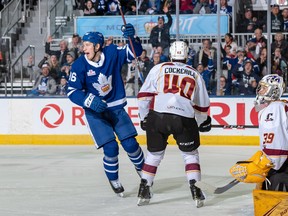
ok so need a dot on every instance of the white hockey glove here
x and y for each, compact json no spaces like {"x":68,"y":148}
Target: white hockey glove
{"x":206,"y":125}
{"x":95,"y":103}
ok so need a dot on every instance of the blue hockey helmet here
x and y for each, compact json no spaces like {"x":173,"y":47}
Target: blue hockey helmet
{"x":94,"y":37}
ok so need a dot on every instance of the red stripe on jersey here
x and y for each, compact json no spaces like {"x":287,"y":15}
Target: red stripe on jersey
{"x":286,"y":108}
{"x":192,"y":167}
{"x":275,"y":151}
{"x":149,"y":169}
{"x":145,"y":94}
{"x":201,"y":109}
{"x":167,"y":64}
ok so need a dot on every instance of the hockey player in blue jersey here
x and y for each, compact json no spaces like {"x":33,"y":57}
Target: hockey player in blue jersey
{"x":95,"y":83}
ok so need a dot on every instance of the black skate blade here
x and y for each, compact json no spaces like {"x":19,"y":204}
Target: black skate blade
{"x":143,"y":201}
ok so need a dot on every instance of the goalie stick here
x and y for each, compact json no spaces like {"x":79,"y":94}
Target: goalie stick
{"x":216,"y":190}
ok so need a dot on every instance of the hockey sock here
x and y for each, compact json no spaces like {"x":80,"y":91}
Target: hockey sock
{"x":137,"y":158}
{"x":192,"y":166}
{"x":111,"y":166}
{"x":150,"y":166}
{"x":134,"y":152}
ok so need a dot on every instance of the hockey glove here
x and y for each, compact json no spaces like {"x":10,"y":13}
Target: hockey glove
{"x":254,"y":170}
{"x":143,"y":124}
{"x":95,"y":103}
{"x":128,"y":30}
{"x":206,"y":125}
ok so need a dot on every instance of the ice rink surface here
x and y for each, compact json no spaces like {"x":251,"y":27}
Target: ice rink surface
{"x":70,"y":181}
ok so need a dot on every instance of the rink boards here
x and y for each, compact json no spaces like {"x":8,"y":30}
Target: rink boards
{"x":57,"y":121}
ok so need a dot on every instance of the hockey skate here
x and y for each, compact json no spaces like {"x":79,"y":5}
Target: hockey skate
{"x":117,"y":188}
{"x":197,"y":194}
{"x":144,"y":193}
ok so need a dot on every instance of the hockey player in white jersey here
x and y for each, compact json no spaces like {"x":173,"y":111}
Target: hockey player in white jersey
{"x":270,"y":164}
{"x":95,"y":83}
{"x":173,"y":100}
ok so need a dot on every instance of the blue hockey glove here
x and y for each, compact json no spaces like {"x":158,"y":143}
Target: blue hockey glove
{"x":206,"y":125}
{"x":95,"y":103}
{"x":128,"y":30}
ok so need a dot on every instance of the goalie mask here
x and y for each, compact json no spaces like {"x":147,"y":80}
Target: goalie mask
{"x":178,"y":51}
{"x":270,"y":88}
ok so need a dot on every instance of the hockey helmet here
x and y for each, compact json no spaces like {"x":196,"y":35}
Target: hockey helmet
{"x":179,"y":50}
{"x":94,"y":37}
{"x":270,"y":88}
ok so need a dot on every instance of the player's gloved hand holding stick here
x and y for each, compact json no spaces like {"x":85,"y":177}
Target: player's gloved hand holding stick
{"x":206,"y":125}
{"x":128,"y":31}
{"x":95,"y":103}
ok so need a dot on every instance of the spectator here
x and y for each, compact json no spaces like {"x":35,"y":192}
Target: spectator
{"x":285,"y":19}
{"x":130,"y":79}
{"x":203,"y":7}
{"x":224,"y":8}
{"x":143,"y":60}
{"x":112,"y":7}
{"x":262,"y":62}
{"x":280,"y":42}
{"x":151,"y":64}
{"x":54,"y":66}
{"x":229,"y":41}
{"x":44,"y":84}
{"x":206,"y":73}
{"x":279,"y":64}
{"x":160,"y":34}
{"x":186,"y":7}
{"x":246,"y":80}
{"x":109,"y":41}
{"x":76,"y":45}
{"x":163,"y":58}
{"x":222,"y":87}
{"x":65,"y":70}
{"x":132,"y":9}
{"x":30,"y":70}
{"x":89,"y":9}
{"x":62,"y":88}
{"x":100,"y":7}
{"x":61,"y":53}
{"x":202,"y":56}
{"x":277,"y":22}
{"x":249,"y":23}
{"x":257,"y":42}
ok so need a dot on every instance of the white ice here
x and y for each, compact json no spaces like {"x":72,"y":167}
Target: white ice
{"x":70,"y":181}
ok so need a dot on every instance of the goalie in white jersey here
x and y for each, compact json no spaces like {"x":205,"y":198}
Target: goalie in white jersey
{"x":270,"y":165}
{"x":173,"y":100}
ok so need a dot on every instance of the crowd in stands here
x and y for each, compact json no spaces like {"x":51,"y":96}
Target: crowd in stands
{"x":242,"y":67}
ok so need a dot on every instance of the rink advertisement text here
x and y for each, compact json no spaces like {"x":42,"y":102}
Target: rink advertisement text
{"x":60,"y":117}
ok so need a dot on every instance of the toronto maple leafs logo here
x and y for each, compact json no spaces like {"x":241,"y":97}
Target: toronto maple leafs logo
{"x":104,"y":85}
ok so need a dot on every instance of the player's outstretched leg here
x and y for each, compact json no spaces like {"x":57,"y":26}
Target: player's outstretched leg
{"x":144,"y":193}
{"x":117,"y":187}
{"x":134,"y":153}
{"x":197,"y":194}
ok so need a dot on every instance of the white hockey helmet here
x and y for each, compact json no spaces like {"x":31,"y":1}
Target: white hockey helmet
{"x":270,"y":88}
{"x":179,"y":50}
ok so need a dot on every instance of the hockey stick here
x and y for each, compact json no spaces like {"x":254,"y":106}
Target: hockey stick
{"x":234,"y":126}
{"x":131,"y":44}
{"x":216,"y":190}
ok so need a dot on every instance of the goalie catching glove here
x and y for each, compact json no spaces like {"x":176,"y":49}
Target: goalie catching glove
{"x":253,"y":170}
{"x":95,"y":103}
